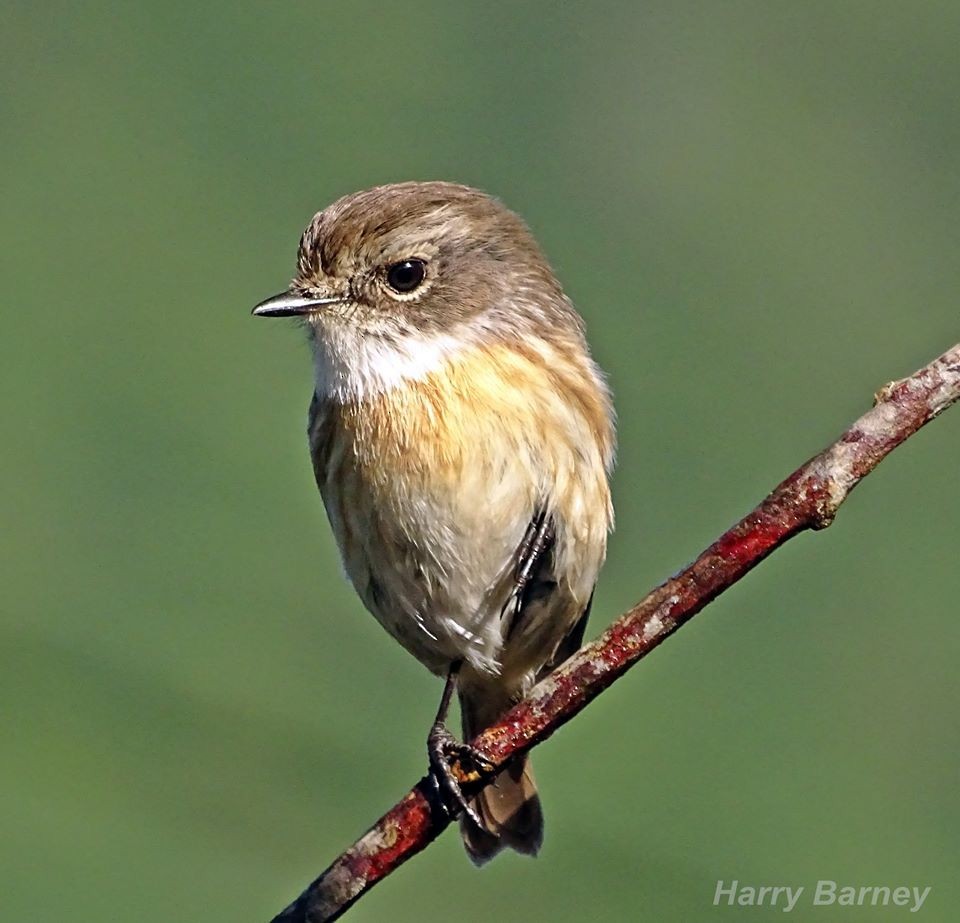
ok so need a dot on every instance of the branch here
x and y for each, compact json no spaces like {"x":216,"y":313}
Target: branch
{"x":808,"y":499}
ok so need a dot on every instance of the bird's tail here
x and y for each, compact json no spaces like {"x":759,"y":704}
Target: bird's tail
{"x":509,"y":808}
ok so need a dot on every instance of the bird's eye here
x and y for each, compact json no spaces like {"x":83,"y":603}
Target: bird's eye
{"x":405,"y":276}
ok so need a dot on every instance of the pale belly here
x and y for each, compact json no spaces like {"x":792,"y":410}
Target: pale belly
{"x":434,"y":561}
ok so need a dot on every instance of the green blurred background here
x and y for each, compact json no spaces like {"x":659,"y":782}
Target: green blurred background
{"x":755,"y":206}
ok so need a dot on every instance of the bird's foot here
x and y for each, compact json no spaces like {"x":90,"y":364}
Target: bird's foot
{"x":452,"y":765}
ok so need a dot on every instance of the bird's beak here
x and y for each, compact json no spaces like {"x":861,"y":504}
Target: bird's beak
{"x":287,"y":304}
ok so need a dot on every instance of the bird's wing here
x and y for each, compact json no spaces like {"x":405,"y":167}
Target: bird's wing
{"x":570,"y":644}
{"x":533,"y":578}
{"x":537,"y":612}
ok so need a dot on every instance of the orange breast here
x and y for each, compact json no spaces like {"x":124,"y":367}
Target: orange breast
{"x":445,"y":419}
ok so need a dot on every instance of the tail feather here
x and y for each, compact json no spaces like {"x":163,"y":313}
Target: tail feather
{"x":509,"y":807}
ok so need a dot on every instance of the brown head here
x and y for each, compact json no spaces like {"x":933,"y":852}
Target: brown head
{"x":423,"y":258}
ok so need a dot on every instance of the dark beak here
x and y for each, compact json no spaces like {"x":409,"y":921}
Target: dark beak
{"x":287,"y":304}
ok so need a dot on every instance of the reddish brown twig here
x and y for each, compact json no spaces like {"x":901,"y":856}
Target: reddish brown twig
{"x":808,"y":499}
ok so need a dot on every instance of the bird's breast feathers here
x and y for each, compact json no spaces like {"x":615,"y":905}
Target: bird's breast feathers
{"x":432,"y":458}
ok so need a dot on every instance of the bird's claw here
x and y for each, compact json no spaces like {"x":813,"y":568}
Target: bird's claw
{"x":452,"y":764}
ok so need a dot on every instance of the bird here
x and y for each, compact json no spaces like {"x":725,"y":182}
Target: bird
{"x":462,"y":439}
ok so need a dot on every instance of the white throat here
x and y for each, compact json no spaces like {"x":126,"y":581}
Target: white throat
{"x":351,"y":365}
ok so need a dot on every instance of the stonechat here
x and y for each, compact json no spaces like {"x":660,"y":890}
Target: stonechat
{"x":462,"y":439}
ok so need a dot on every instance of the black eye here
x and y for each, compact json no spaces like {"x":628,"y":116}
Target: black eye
{"x":406,"y":275}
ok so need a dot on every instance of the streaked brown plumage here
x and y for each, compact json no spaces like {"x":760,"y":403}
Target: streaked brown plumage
{"x":451,"y":423}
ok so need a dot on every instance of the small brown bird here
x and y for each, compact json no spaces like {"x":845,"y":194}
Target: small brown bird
{"x":462,"y":439}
